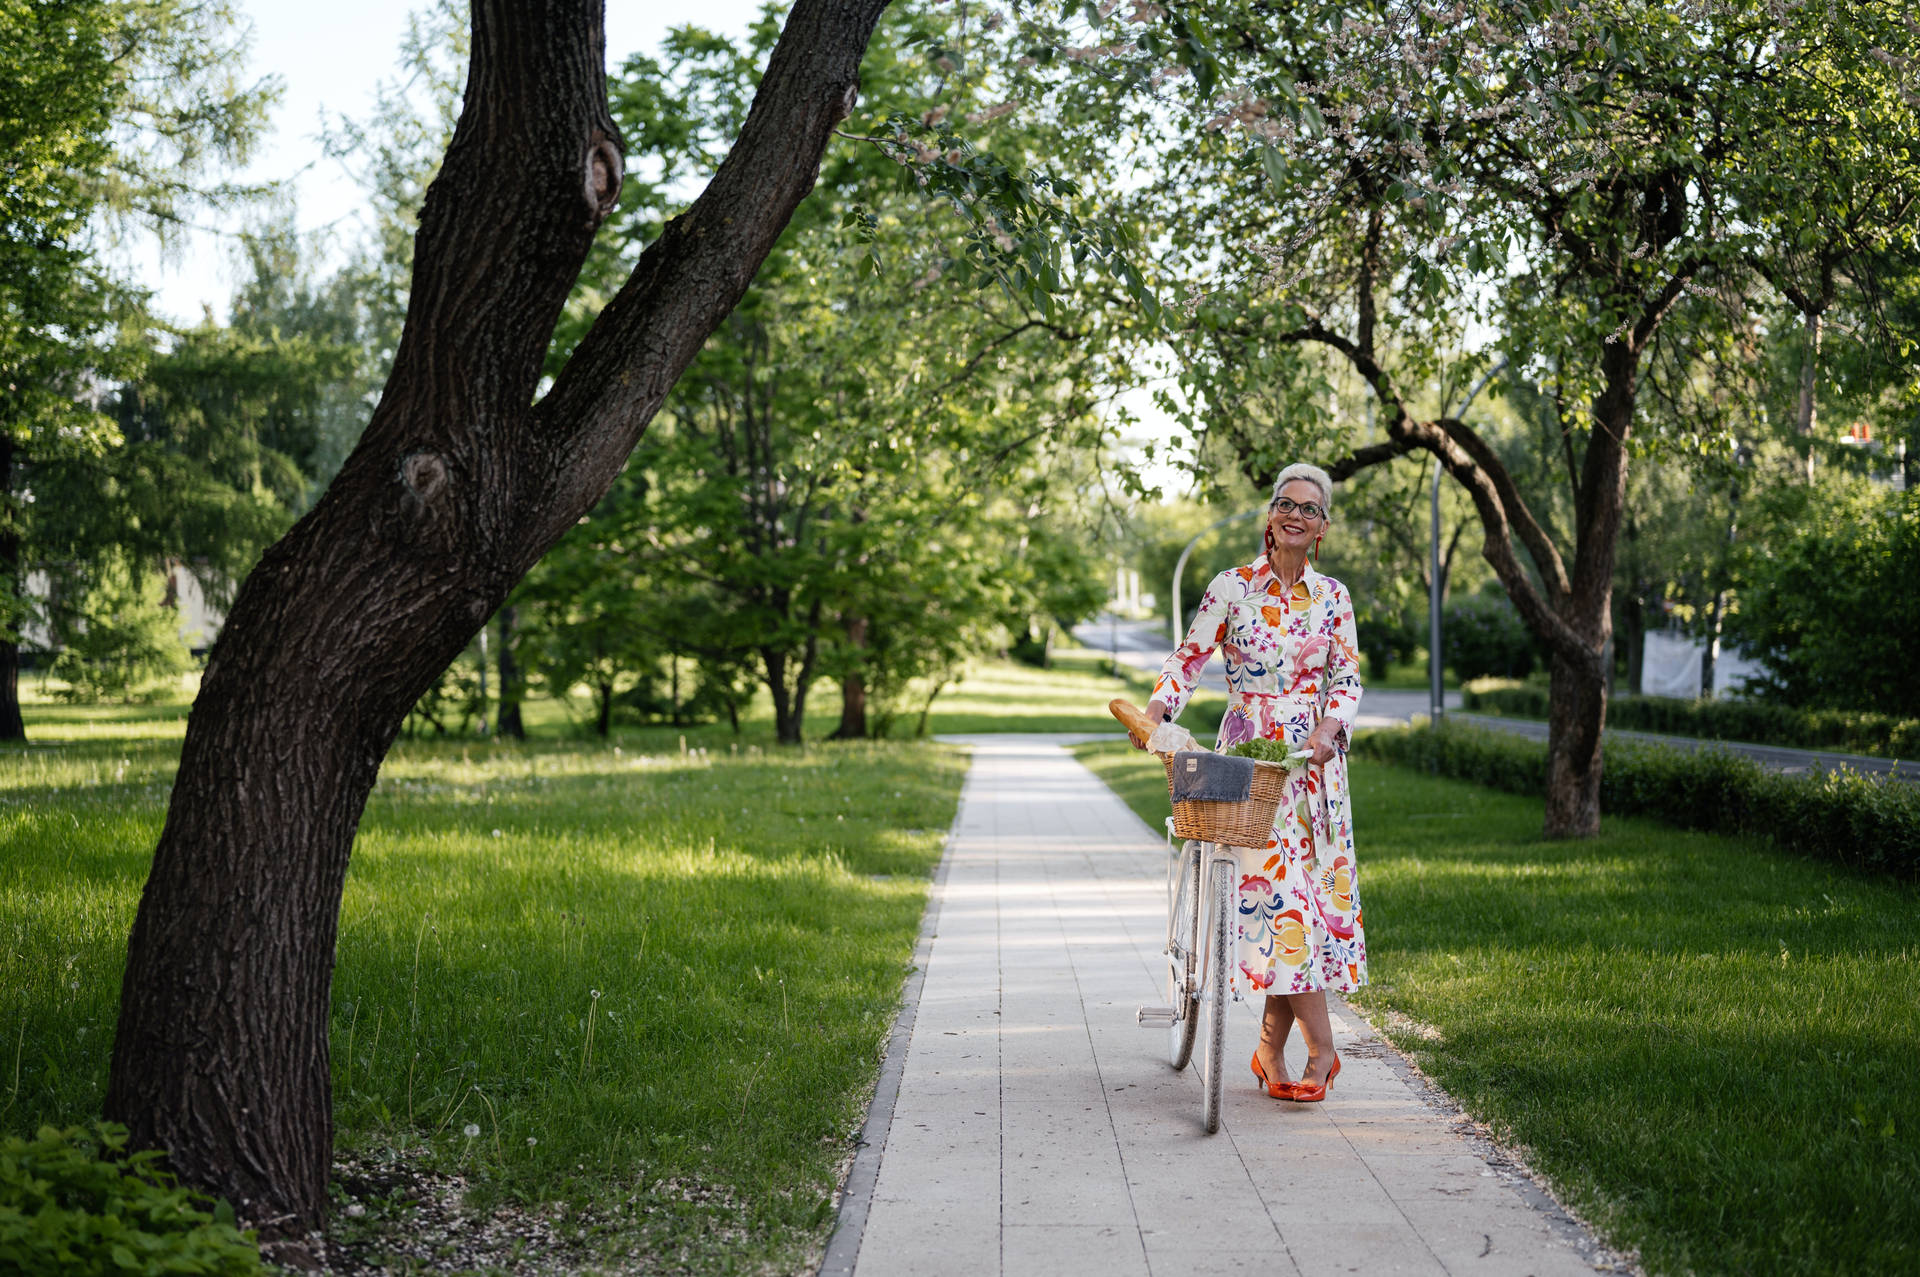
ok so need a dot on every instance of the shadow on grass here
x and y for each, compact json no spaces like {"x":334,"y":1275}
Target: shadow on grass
{"x":613,"y":968}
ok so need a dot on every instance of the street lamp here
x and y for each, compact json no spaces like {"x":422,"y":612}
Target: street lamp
{"x":1173,"y":607}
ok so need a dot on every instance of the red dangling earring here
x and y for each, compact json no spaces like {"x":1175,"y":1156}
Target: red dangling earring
{"x":1316,"y":550}
{"x":1270,"y":547}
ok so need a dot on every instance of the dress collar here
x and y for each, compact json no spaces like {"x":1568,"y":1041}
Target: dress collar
{"x":1309,"y":576}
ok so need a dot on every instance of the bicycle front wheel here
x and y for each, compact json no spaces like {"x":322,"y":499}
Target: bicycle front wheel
{"x":1220,"y":925}
{"x":1183,"y":899}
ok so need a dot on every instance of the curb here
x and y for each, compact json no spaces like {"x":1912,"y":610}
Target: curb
{"x":856,"y":1195}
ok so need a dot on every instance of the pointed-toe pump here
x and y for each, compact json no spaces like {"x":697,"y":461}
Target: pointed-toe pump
{"x":1308,"y":1093}
{"x":1276,"y":1090}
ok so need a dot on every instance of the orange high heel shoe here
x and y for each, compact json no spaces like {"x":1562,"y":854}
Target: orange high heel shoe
{"x":1275,"y":1090}
{"x":1308,"y":1093}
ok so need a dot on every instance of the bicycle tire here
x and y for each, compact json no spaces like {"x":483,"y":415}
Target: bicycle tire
{"x":1181,"y":903}
{"x":1219,"y":996}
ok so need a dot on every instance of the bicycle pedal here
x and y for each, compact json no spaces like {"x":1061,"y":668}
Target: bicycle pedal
{"x":1154,"y":1017}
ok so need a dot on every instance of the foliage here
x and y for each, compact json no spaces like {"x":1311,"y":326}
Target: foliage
{"x":868,"y":473}
{"x":1484,"y":637}
{"x":1839,"y":815}
{"x":1751,"y":721}
{"x":1828,"y":602}
{"x":77,"y":1202}
{"x":122,"y":641}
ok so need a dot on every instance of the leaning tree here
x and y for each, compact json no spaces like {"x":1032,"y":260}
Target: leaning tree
{"x":465,"y":475}
{"x":1580,"y":177}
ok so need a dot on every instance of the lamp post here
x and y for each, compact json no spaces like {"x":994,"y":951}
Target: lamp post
{"x":1173,"y":607}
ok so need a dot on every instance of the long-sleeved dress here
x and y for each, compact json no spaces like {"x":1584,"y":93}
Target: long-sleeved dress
{"x":1291,"y":659}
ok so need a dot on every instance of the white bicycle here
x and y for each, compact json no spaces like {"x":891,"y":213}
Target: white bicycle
{"x":1201,"y":902}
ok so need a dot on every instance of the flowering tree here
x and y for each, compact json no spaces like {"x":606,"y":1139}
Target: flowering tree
{"x":1366,"y":181}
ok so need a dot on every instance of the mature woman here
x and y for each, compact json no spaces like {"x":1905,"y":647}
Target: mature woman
{"x":1293,"y":674}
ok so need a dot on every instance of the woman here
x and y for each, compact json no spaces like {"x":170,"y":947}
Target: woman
{"x":1293,"y":674}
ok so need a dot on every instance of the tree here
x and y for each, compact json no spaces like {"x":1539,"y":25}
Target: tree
{"x":1827,"y":601}
{"x":1595,"y":167}
{"x":110,"y":114}
{"x":464,"y":477}
{"x":835,"y":468}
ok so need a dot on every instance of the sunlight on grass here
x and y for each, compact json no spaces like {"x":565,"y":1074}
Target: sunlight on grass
{"x":1705,"y":1043}
{"x":631,"y":968}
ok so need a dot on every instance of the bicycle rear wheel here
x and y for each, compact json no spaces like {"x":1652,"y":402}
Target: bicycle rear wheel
{"x":1183,"y":895}
{"x":1220,"y":925}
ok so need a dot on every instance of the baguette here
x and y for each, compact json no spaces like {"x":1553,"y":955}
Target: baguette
{"x":1135,"y":720}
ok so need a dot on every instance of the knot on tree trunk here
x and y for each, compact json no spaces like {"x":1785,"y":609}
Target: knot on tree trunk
{"x":425,"y":476}
{"x":604,"y":171}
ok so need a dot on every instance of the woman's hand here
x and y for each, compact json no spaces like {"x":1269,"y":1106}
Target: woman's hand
{"x":1156,"y":715}
{"x":1323,"y":741}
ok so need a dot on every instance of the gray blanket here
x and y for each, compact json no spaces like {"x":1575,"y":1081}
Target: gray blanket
{"x":1199,"y":776}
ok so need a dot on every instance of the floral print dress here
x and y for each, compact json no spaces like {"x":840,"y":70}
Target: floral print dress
{"x":1291,"y":658}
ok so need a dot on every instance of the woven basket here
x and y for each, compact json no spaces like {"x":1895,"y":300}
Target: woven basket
{"x":1248,"y":823}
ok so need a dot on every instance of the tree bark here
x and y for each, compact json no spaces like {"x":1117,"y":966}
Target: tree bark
{"x":13,"y":725}
{"x":1809,"y":379}
{"x":1576,"y":713}
{"x":853,"y":688}
{"x":456,"y":488}
{"x":509,"y":722}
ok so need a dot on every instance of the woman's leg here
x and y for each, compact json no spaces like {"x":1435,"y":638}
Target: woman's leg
{"x":1310,"y":1010}
{"x":1275,"y":1025}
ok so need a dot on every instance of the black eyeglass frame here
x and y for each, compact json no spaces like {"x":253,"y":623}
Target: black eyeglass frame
{"x":1287,"y":505}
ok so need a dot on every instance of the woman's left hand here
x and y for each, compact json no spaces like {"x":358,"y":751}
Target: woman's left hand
{"x":1321,"y":742}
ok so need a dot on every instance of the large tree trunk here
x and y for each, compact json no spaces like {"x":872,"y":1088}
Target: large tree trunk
{"x":509,"y":723}
{"x":455,"y":490}
{"x":853,"y":688}
{"x":1576,"y":712}
{"x":12,"y":725}
{"x":1583,"y":658}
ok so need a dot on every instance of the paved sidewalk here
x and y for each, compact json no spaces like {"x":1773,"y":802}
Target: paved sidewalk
{"x":1034,"y":1129}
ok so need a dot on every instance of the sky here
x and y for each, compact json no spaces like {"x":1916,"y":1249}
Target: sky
{"x":329,"y":58}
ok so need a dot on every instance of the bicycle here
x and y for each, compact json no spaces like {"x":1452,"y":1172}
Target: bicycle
{"x":1201,"y":907}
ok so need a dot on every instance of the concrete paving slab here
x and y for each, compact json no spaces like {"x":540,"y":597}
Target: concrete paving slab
{"x":1033,"y":1128}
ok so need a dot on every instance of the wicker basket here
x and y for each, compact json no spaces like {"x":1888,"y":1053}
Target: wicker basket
{"x":1248,"y":823}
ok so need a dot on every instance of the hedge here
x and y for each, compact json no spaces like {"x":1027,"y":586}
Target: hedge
{"x":1838,"y":815}
{"x":1754,"y":722}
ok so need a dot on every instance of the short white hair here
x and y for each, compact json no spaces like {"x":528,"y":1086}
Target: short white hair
{"x":1307,"y":473}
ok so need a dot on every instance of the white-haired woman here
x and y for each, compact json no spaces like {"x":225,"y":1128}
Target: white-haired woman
{"x":1293,"y":674}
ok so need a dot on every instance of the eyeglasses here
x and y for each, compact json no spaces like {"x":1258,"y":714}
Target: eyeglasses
{"x":1308,"y":508}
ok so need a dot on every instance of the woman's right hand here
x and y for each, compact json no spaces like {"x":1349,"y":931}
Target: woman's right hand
{"x":1156,"y":715}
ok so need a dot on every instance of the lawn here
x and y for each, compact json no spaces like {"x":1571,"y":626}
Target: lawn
{"x":1707,"y":1045}
{"x":1071,"y":696}
{"x":640,"y":991}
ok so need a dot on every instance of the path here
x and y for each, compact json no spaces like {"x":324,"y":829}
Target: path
{"x":1025,"y":1125}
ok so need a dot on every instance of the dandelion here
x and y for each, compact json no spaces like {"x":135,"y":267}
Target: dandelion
{"x":471,"y":1130}
{"x":531,"y":1141}
{"x":498,"y":834}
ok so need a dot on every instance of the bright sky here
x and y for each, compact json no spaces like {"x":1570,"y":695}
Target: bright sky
{"x":329,"y":58}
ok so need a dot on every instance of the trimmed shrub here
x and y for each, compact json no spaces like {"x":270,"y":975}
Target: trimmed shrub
{"x":1838,"y":815}
{"x":76,"y":1202}
{"x":1485,"y":637}
{"x":1754,"y":722}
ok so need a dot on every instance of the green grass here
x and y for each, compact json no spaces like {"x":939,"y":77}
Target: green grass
{"x":1071,"y":696}
{"x":1706,"y":1044}
{"x":656,"y":983}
